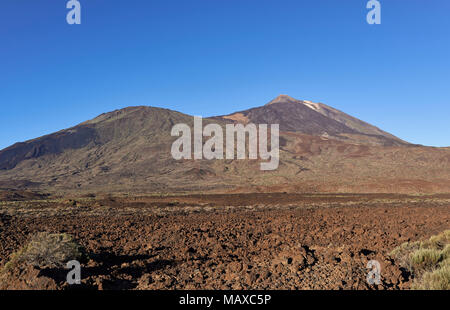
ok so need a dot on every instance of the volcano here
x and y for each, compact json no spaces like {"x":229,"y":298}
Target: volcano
{"x":321,"y":150}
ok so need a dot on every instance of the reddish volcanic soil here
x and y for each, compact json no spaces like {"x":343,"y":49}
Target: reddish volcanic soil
{"x":242,"y":241}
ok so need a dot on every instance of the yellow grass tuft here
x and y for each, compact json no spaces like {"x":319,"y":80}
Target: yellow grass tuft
{"x":428,"y":261}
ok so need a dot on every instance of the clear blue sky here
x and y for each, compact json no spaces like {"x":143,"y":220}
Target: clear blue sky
{"x":209,"y":57}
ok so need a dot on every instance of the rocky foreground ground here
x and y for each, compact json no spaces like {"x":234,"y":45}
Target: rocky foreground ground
{"x":241,"y":241}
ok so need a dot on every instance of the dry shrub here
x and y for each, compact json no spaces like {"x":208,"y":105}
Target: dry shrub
{"x":438,"y":279}
{"x":47,"y":250}
{"x":428,"y":261}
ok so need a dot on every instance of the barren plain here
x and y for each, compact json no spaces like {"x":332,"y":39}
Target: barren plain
{"x":228,"y":241}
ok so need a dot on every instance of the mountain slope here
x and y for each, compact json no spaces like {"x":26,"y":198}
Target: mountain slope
{"x":128,"y":150}
{"x":315,"y":119}
{"x":120,"y":126}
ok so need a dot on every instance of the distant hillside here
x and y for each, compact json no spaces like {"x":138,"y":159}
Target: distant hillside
{"x":321,"y":150}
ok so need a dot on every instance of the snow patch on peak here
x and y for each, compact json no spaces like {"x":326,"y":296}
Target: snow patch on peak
{"x":311,"y":105}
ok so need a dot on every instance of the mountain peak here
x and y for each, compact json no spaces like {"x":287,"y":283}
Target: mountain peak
{"x":314,"y":118}
{"x":283,"y":99}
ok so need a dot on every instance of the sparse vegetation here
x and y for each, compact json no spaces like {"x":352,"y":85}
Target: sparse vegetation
{"x":46,"y":250}
{"x":273,"y":240}
{"x":438,"y":279}
{"x":428,"y":261}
